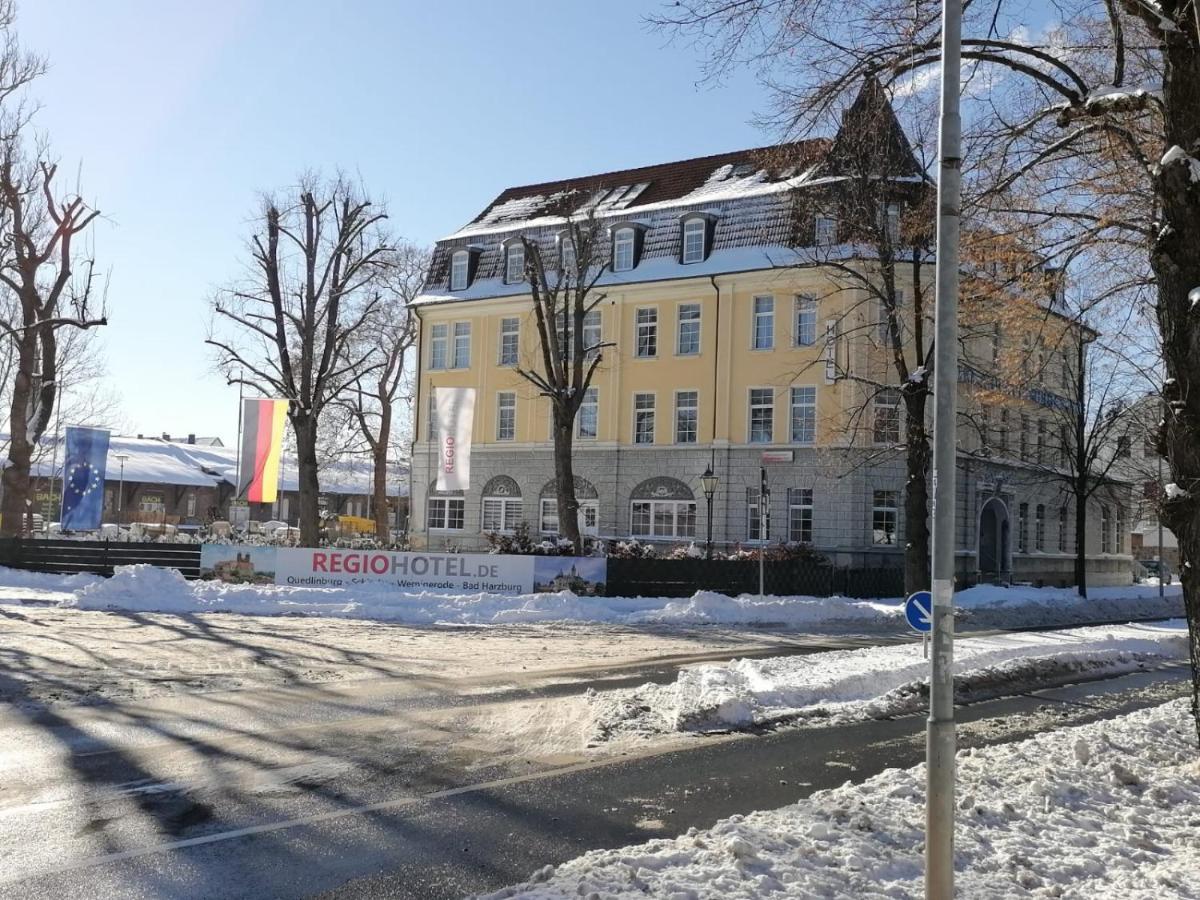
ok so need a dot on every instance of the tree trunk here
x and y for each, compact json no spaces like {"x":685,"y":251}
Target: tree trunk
{"x":564,"y":479}
{"x":1175,"y":259}
{"x":20,"y":449}
{"x":379,"y":453}
{"x":1081,"y":540}
{"x":306,"y":460}
{"x":916,"y":499}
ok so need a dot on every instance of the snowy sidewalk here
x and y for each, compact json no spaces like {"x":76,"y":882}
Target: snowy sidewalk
{"x":1103,"y":810}
{"x":147,"y":589}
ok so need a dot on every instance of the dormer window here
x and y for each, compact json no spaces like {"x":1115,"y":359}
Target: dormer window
{"x":825,"y":231}
{"x":514,"y":263}
{"x":460,"y":266}
{"x":695,"y":240}
{"x":624,"y":247}
{"x":566,"y":253}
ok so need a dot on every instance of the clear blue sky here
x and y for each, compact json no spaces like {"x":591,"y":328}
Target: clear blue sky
{"x":179,"y":113}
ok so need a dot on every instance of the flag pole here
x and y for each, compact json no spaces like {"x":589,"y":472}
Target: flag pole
{"x":237,"y":485}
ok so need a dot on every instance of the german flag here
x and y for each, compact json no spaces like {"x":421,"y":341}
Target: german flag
{"x":262,"y":443}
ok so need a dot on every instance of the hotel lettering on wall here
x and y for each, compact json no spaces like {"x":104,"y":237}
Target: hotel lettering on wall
{"x":456,"y":418}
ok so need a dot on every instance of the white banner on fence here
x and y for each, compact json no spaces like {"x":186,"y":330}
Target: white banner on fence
{"x":456,"y":418}
{"x":447,"y":573}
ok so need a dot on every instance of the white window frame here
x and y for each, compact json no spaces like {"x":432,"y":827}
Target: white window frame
{"x":546,"y":504}
{"x":692,"y":320}
{"x":796,"y":404}
{"x":651,"y":409}
{"x":446,"y":503}
{"x":880,"y":509}
{"x":889,"y":221}
{"x":1106,"y":529}
{"x":460,"y":268}
{"x":800,"y":500}
{"x":593,"y":333}
{"x":754,"y":520}
{"x":1039,"y":528}
{"x":694,"y":408}
{"x":510,"y":330}
{"x":591,"y":400}
{"x":439,"y":345}
{"x":462,"y":342}
{"x":648,"y":328}
{"x":752,"y":406}
{"x":514,"y":263}
{"x":763,"y":309}
{"x":656,"y":507}
{"x":804,"y":321}
{"x":509,"y":513}
{"x":693,"y":249}
{"x":831,"y":347}
{"x":506,"y":402}
{"x":566,"y":254}
{"x":624,"y":242}
{"x":825,"y":231}
{"x":886,"y":403}
{"x":1023,"y":527}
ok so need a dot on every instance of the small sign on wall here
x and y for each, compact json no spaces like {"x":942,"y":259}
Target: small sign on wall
{"x":778,"y":456}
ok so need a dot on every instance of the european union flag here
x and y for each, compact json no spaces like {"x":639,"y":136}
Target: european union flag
{"x":83,"y":479}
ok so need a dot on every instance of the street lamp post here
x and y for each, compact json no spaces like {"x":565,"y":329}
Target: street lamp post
{"x":121,"y":490}
{"x":708,"y":482}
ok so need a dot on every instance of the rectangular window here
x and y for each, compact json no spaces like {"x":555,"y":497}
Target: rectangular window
{"x":506,"y":416}
{"x":462,"y":345}
{"x":762,"y":415}
{"x":548,"y":516}
{"x":1043,"y":429}
{"x":643,"y":418}
{"x":1062,"y":529}
{"x":887,"y":417}
{"x":884,"y":514}
{"x":591,"y":333}
{"x":447,"y":513}
{"x":1119,"y":543}
{"x":693,"y":240}
{"x":432,"y":428}
{"x":510,"y":341}
{"x":764,"y":323}
{"x":647,"y":332}
{"x":800,"y":515}
{"x":1024,"y":438}
{"x":688,"y":343}
{"x":754,"y":522}
{"x":588,"y":420}
{"x":804,"y":415}
{"x":662,"y":518}
{"x":623,"y":250}
{"x":566,"y":256}
{"x":1105,"y":530}
{"x":889,"y":221}
{"x":825,"y":231}
{"x":806,"y":321}
{"x":514,"y":263}
{"x":1002,"y":432}
{"x":438,"y":336}
{"x":500,"y":514}
{"x":687,"y":414}
{"x":1023,"y":528}
{"x":191,"y":505}
{"x":458,"y":271}
{"x":1039,"y":528}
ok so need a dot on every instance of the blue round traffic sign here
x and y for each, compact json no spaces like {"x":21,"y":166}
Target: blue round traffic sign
{"x":918,"y":610}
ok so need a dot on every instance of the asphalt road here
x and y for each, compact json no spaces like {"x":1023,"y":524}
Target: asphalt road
{"x":374,"y":794}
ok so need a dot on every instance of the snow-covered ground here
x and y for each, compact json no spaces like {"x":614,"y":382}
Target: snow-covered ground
{"x":846,"y":685}
{"x":1102,"y":810}
{"x":147,"y":589}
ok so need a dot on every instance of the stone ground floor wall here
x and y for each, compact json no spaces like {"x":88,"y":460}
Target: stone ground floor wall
{"x":843,"y":485}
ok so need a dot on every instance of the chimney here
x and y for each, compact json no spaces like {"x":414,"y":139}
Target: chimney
{"x":191,"y":439}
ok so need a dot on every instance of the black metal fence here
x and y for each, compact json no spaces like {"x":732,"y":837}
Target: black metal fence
{"x":97,"y":557}
{"x":626,"y":577}
{"x":683,"y":577}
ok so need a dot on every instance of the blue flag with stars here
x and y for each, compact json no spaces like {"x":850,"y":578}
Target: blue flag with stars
{"x":83,"y":479}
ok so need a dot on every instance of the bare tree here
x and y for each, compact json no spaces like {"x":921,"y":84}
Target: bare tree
{"x":386,"y":338}
{"x":562,"y":290}
{"x":1097,"y":118}
{"x":317,"y":260}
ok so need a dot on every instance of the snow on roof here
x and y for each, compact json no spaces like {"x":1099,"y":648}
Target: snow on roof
{"x":154,"y":461}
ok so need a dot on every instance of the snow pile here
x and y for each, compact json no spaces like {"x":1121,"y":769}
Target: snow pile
{"x":1103,"y":810}
{"x":141,"y":588}
{"x":873,"y":682}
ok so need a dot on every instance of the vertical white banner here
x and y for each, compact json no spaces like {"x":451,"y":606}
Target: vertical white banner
{"x":456,"y":418}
